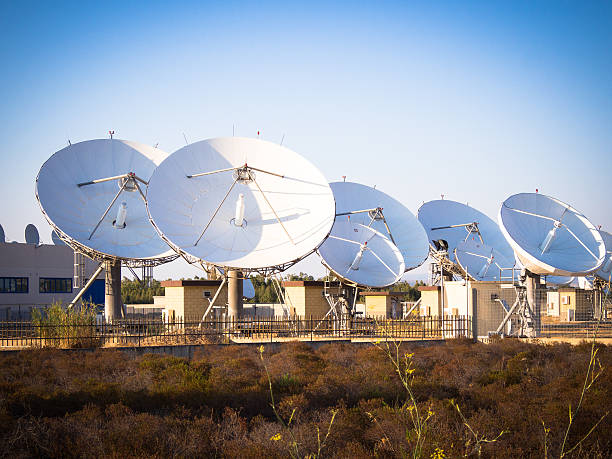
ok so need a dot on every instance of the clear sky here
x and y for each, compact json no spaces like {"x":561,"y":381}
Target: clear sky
{"x":473,"y":100}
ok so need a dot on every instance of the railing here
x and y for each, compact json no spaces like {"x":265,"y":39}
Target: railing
{"x":148,"y":332}
{"x":583,"y":329}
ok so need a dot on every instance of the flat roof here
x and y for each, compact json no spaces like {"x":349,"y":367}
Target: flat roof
{"x":303,"y":283}
{"x":384,"y":293}
{"x":428,"y":288}
{"x":191,"y":283}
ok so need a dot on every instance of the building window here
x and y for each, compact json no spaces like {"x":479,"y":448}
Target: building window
{"x":53,"y":285}
{"x":13,"y":285}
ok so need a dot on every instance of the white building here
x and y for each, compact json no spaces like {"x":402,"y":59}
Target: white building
{"x":36,"y":276}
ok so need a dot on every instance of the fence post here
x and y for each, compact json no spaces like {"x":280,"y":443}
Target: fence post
{"x":423,"y":325}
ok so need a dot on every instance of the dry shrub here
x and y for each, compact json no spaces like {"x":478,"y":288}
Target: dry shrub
{"x":107,"y":404}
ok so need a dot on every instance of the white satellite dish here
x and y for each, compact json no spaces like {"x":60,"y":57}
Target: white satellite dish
{"x":92,"y":194}
{"x":361,"y":255}
{"x":457,"y":223}
{"x":2,"y":235}
{"x":248,"y":289}
{"x":373,"y":208}
{"x":605,"y":272}
{"x":56,"y":239}
{"x":31,"y":234}
{"x":483,"y":262}
{"x":549,"y":236}
{"x":240,"y":203}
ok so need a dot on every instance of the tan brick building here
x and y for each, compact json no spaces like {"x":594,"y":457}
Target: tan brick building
{"x":189,"y":299}
{"x":384,"y":304}
{"x":305,"y":298}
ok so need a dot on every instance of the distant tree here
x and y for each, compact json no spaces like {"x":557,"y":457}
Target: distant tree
{"x":133,"y":292}
{"x":264,"y":290}
{"x":301,"y":277}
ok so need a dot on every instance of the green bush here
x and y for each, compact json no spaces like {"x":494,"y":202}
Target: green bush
{"x":57,"y":326}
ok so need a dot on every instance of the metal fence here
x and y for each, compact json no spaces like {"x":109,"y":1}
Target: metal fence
{"x":584,"y":329}
{"x":151,"y":332}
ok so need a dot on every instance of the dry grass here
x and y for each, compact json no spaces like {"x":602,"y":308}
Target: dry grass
{"x":105,"y":403}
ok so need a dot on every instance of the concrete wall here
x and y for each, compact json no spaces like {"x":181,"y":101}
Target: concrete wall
{"x":457,"y":298}
{"x":385,"y":304}
{"x":431,"y":301}
{"x":552,"y":304}
{"x":579,"y":302}
{"x":264,"y":310}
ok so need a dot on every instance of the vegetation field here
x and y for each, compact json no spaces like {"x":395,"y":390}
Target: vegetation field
{"x":504,"y":399}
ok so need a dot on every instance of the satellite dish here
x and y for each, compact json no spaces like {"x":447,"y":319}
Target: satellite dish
{"x":56,"y":239}
{"x":2,"y":235}
{"x":374,"y":209}
{"x":482,"y":262}
{"x":463,"y":228}
{"x":248,"y":290}
{"x":605,"y":272}
{"x":240,"y":203}
{"x":560,"y":280}
{"x":31,"y":234}
{"x":92,"y":194}
{"x":361,"y":255}
{"x":549,"y":236}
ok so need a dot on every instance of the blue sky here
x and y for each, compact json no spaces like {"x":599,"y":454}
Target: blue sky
{"x":473,"y":100}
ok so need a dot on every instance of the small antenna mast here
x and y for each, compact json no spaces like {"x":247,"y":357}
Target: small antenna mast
{"x":185,"y":137}
{"x":281,"y":142}
{"x":111,"y":133}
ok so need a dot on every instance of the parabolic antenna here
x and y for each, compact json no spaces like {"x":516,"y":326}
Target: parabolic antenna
{"x":31,"y":234}
{"x":361,"y":255}
{"x":240,"y":203}
{"x":377,"y":210}
{"x":549,"y":236}
{"x":457,"y":223}
{"x":92,"y":194}
{"x":2,"y":235}
{"x":560,"y":280}
{"x":56,"y":239}
{"x":248,"y":289}
{"x":483,"y":262}
{"x":605,"y":272}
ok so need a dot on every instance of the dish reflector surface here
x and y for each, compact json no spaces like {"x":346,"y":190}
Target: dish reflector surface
{"x":361,"y":254}
{"x":407,"y":233}
{"x":483,"y":262}
{"x":31,"y":234}
{"x":560,"y":280}
{"x":76,"y":210}
{"x":605,"y":272}
{"x":248,"y":289}
{"x":249,"y":204}
{"x":56,"y":239}
{"x":453,"y":222}
{"x":549,"y":236}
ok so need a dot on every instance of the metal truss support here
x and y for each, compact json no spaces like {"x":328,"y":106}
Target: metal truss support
{"x":212,"y":302}
{"x":83,"y":289}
